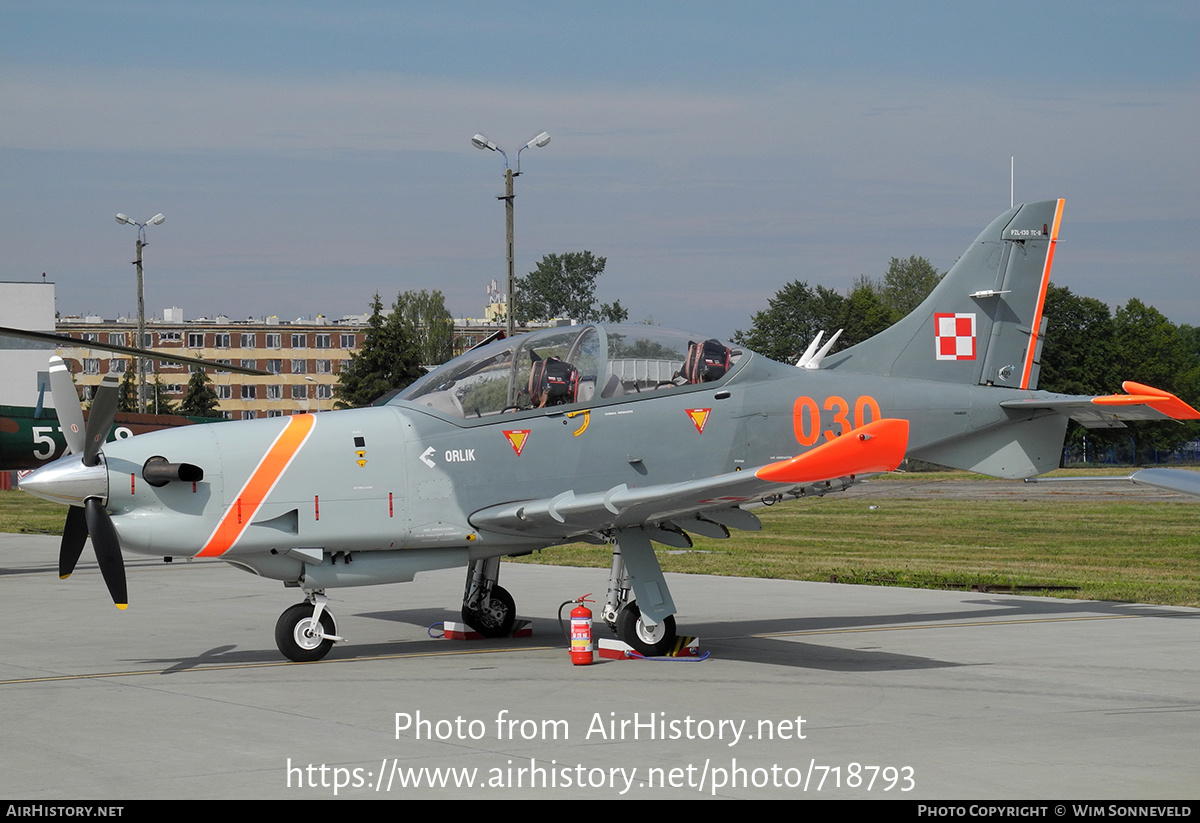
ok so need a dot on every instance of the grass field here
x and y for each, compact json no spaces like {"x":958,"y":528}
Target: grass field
{"x":1124,"y":549}
{"x":1143,"y":552}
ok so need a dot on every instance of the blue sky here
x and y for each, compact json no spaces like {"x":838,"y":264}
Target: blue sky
{"x":307,"y":155}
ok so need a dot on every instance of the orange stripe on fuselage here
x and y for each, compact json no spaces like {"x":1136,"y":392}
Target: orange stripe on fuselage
{"x":1037,"y":315}
{"x":262,"y":480}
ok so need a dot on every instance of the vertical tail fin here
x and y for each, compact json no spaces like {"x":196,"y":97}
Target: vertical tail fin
{"x":983,"y":322}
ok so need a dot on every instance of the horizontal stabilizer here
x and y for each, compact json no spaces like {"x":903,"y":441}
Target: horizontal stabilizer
{"x":1108,"y":411}
{"x":1173,"y":480}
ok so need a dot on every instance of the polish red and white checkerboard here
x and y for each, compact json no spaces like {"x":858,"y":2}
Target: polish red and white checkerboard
{"x":955,"y":336}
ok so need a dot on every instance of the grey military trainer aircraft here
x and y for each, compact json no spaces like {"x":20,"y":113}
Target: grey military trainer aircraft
{"x":624,"y":435}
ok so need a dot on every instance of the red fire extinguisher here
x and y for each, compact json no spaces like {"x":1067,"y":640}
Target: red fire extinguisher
{"x":583,"y":652}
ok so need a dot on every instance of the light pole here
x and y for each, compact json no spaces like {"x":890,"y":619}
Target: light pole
{"x":481,"y":142}
{"x":141,"y":330}
{"x":314,"y":388}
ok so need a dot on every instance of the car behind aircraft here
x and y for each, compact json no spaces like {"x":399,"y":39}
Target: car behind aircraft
{"x":625,"y":435}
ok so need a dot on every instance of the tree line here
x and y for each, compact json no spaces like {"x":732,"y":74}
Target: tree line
{"x":797,"y":312}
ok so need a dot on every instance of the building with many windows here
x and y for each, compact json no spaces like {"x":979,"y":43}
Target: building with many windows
{"x":303,"y":357}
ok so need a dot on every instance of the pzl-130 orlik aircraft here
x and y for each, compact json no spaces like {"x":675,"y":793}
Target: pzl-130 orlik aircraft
{"x":626,"y":435}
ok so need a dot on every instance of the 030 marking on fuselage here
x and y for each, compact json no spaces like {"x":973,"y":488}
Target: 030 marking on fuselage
{"x":806,"y":416}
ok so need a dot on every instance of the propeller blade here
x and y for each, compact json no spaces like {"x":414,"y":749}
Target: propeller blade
{"x":100,"y":419}
{"x":75,"y":532}
{"x":66,"y":403}
{"x":108,"y":550}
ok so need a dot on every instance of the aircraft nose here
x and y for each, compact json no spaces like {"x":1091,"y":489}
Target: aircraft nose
{"x":69,"y":481}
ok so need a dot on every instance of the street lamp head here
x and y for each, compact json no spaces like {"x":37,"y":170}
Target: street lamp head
{"x":158,"y":218}
{"x":123,"y":220}
{"x":539,"y":141}
{"x":481,"y":142}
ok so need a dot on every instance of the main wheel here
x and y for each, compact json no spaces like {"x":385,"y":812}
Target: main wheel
{"x":496,"y":621}
{"x":651,"y":642}
{"x":295,"y":637}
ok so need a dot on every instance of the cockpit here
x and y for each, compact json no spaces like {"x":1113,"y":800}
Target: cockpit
{"x":571,"y":365}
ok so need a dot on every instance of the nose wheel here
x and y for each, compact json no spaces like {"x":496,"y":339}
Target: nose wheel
{"x":487,"y":607}
{"x":306,"y":632}
{"x":494,"y":618}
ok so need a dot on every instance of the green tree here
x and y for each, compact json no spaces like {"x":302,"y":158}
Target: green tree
{"x":798,"y":311}
{"x":389,"y":359}
{"x":1078,"y":352}
{"x":865,"y":314}
{"x":160,"y":401}
{"x":1150,"y":349}
{"x":200,"y":400}
{"x":564,"y":285}
{"x":792,"y":319}
{"x":1089,"y":351}
{"x":429,"y":323}
{"x":127,"y":391}
{"x":1077,"y":358}
{"x":1189,"y":381}
{"x":907,"y":283}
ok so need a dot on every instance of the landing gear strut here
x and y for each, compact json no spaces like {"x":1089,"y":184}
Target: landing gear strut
{"x":487,"y":607}
{"x":306,"y":632}
{"x":652,"y":638}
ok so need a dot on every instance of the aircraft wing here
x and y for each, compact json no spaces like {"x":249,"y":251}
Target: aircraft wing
{"x":1142,"y":402}
{"x":705,"y":505}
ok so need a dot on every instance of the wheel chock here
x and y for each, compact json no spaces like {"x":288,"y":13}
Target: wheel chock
{"x":616,"y":650}
{"x":461,"y":631}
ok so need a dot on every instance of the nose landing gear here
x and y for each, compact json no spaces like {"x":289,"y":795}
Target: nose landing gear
{"x":307,"y":631}
{"x":487,"y":608}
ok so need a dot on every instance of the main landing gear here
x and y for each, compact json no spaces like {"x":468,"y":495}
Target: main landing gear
{"x":635,"y":571}
{"x":487,"y":607}
{"x":307,"y":631}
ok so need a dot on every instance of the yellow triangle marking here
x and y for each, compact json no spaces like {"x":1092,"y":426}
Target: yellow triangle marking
{"x":699,"y":418}
{"x":517,"y":439}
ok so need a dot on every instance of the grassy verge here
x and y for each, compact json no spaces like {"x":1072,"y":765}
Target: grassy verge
{"x":22,"y":513}
{"x":1142,"y":552}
